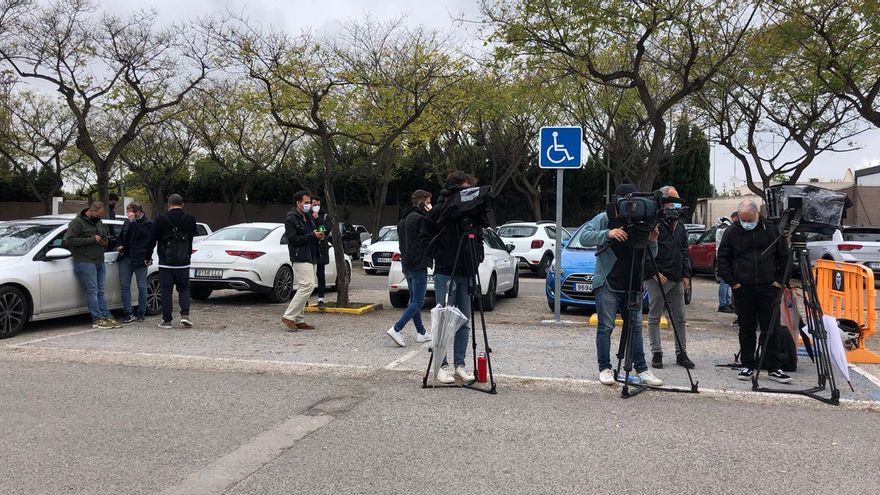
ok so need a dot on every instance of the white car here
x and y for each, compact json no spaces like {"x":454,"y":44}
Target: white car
{"x":848,"y":244}
{"x":248,"y":257}
{"x":534,"y":243}
{"x":37,"y":280}
{"x":377,"y":257}
{"x":202,"y":229}
{"x":365,"y":244}
{"x":499,"y":272}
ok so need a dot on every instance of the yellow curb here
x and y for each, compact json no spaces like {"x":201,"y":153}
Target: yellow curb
{"x":594,"y":320}
{"x":345,"y":311}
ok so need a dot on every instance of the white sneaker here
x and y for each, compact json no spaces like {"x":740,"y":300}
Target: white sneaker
{"x":396,"y":337}
{"x":426,"y":337}
{"x":649,"y":379}
{"x":186,"y":322}
{"x":462,"y":373}
{"x":443,"y":376}
{"x":606,"y":377}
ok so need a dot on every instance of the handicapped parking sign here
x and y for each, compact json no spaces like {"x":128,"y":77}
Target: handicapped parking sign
{"x":560,"y":147}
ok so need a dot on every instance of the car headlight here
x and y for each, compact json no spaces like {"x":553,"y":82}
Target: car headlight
{"x":368,"y":253}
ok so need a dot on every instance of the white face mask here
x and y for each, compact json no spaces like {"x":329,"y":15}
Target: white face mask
{"x":307,"y":208}
{"x":316,"y":208}
{"x":428,"y":206}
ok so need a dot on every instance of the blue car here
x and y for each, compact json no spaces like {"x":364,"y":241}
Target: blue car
{"x":577,"y":266}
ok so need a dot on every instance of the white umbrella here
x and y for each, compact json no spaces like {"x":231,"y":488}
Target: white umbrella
{"x":445,"y":321}
{"x":835,"y":346}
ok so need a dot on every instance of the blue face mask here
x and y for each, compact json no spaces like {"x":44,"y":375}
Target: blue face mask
{"x":749,"y":225}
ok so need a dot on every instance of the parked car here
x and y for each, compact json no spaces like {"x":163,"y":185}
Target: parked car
{"x":36,"y":274}
{"x":377,"y":257}
{"x":248,"y":257}
{"x":694,"y":227}
{"x":365,"y":244}
{"x":352,"y":237}
{"x":847,"y":244}
{"x":534,"y":243}
{"x":701,"y":250}
{"x":202,"y":229}
{"x":577,"y":266}
{"x":499,"y":272}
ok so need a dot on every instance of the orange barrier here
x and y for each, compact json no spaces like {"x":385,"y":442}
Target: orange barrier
{"x":846,"y":291}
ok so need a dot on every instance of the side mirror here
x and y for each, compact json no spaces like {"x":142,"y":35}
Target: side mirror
{"x":565,"y":242}
{"x":57,"y":254}
{"x":510,"y":247}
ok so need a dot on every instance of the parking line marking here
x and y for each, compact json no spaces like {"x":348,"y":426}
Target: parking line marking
{"x":53,"y":337}
{"x":871,"y":378}
{"x":248,"y":458}
{"x":406,"y":357}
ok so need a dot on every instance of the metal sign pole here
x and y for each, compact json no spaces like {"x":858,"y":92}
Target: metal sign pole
{"x":557,"y":255}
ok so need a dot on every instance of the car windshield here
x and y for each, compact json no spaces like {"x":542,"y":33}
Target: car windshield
{"x":390,"y":235}
{"x":517,"y":231}
{"x":863,"y":235}
{"x":18,"y":239}
{"x":575,"y":242}
{"x":252,"y":234}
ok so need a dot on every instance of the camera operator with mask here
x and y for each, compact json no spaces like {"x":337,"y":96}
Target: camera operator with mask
{"x":670,"y":274}
{"x":756,"y":279}
{"x":613,"y":274}
{"x":443,"y":239}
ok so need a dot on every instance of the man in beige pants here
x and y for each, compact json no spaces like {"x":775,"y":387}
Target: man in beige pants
{"x":302,"y":243}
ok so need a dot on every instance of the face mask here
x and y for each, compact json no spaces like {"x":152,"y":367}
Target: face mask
{"x":428,"y":206}
{"x":307,"y":208}
{"x":749,"y":225}
{"x":316,"y":208}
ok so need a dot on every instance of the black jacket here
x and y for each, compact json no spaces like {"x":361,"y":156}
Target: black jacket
{"x":672,"y":257}
{"x":163,"y":226}
{"x":80,"y":238}
{"x":135,"y":238}
{"x":414,"y":255}
{"x":740,"y":259}
{"x":443,"y":239}
{"x":323,"y":249}
{"x":301,"y":241}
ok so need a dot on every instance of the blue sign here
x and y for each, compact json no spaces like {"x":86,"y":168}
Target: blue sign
{"x":561,"y":147}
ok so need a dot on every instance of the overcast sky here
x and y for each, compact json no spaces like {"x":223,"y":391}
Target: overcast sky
{"x":294,"y":15}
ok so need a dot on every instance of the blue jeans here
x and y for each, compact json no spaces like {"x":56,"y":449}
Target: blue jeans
{"x":608,"y":303}
{"x":724,"y":297}
{"x":417,"y":281}
{"x":126,"y":269}
{"x":91,"y":279}
{"x":459,"y":296}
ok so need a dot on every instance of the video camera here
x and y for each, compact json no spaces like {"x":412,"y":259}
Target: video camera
{"x":646,"y":209}
{"x":813,"y":209}
{"x":469,"y":207}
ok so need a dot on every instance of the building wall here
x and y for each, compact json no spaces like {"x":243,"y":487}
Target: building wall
{"x":866,"y":205}
{"x":872,"y":180}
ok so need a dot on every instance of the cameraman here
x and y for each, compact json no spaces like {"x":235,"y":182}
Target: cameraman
{"x":670,"y":274}
{"x":756,"y":279}
{"x":613,"y":274}
{"x":443,"y":238}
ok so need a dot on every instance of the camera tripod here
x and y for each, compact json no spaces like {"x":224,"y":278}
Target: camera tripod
{"x":633,"y":310}
{"x":468,"y":241}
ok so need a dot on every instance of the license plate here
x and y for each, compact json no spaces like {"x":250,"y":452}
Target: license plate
{"x":430,"y":279}
{"x":383,"y":260}
{"x":583,"y":287}
{"x":203,"y":273}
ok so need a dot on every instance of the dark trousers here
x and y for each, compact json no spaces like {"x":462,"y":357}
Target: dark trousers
{"x":754,"y":307}
{"x":169,"y":278}
{"x":321,"y":279}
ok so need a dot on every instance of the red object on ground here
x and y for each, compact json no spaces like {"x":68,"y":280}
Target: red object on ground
{"x":482,"y":368}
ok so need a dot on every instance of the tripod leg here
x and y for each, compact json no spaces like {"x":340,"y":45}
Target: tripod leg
{"x":428,"y":369}
{"x":675,"y":331}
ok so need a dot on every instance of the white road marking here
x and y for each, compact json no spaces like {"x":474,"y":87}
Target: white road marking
{"x":59,"y":336}
{"x":406,"y":357}
{"x":873,"y":379}
{"x":242,"y":462}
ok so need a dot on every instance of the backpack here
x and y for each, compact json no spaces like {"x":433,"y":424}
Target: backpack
{"x":176,"y":246}
{"x":785,"y":347}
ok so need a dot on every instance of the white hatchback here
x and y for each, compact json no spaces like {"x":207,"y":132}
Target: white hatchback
{"x":498,"y":273}
{"x":248,"y":257}
{"x":534,"y":243}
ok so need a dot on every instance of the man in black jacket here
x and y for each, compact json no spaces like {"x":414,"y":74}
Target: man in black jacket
{"x":756,"y":279}
{"x":672,"y":277}
{"x":133,"y":242}
{"x":302,"y":244}
{"x":415,"y":261}
{"x":173,"y":232}
{"x":442,"y":239}
{"x":322,"y":258}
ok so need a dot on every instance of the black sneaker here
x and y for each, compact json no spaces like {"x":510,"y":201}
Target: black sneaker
{"x":682,"y":359}
{"x":128,"y":319}
{"x":725,"y":309}
{"x":657,"y":360}
{"x":779,"y":376}
{"x":745,"y":374}
{"x":321,"y":305}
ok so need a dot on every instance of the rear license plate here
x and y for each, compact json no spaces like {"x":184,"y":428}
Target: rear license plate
{"x":383,"y":260}
{"x":203,"y":273}
{"x":583,"y":287}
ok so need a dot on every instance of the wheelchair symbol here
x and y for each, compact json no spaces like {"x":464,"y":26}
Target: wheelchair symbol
{"x":558,"y":148}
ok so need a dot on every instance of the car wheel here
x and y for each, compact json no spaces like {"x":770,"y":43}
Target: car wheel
{"x":399,"y":299}
{"x":154,"y":295}
{"x":544,"y":267}
{"x":490,"y":297}
{"x":14,"y":311}
{"x":200,"y":293}
{"x":282,"y":288}
{"x":514,"y":291}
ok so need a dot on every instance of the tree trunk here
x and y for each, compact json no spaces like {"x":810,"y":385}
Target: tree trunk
{"x":343,"y":275}
{"x":381,"y":195}
{"x":157,"y":198}
{"x":102,"y":172}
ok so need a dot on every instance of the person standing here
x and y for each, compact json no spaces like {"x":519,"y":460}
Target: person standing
{"x":112,"y":199}
{"x":671,"y":279}
{"x":173,"y":232}
{"x":87,"y":240}
{"x":415,"y":261}
{"x":756,"y":279}
{"x":725,"y":303}
{"x":322,"y":259}
{"x":132,"y":260}
{"x":613,"y":275}
{"x":302,"y":244}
